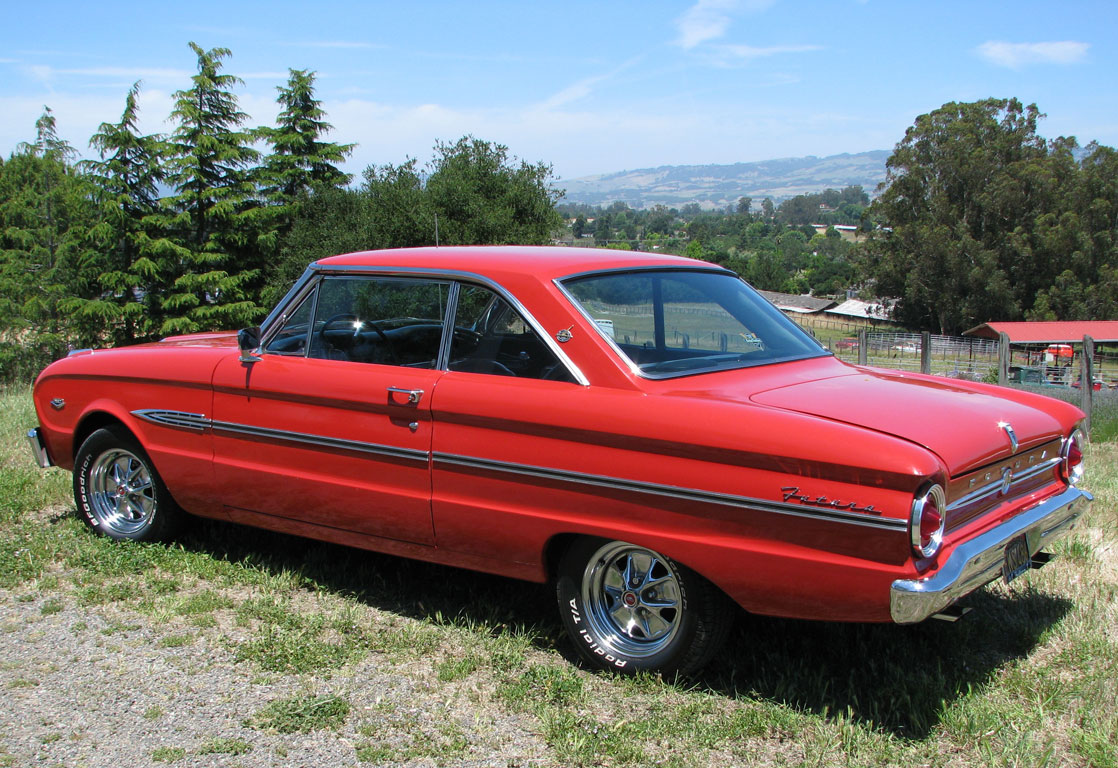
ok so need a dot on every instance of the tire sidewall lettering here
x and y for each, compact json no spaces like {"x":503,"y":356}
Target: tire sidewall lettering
{"x":597,"y":648}
{"x":83,"y":491}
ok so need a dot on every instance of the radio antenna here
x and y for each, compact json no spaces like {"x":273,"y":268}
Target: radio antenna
{"x":436,"y":230}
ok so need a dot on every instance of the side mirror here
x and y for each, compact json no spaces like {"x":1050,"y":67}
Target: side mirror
{"x":248,"y":339}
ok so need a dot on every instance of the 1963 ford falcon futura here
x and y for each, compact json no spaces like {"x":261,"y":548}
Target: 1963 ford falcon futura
{"x":643,"y":431}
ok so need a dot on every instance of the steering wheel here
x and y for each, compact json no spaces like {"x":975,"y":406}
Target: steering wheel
{"x":465,"y":340}
{"x":358,"y":325}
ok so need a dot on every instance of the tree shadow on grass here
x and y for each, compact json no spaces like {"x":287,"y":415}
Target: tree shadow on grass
{"x":900,"y":679}
{"x":897,"y":679}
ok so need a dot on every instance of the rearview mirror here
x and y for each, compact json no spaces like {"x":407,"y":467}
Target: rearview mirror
{"x":248,"y":339}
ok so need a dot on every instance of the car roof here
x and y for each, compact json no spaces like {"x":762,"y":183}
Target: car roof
{"x":501,"y":261}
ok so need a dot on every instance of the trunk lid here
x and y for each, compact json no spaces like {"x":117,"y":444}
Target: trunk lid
{"x":964,"y":427}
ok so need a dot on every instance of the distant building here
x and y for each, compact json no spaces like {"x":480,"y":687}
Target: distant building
{"x":861,"y":310}
{"x":847,"y":232}
{"x":800,"y":305}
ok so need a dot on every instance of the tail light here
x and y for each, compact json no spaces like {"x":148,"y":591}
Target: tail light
{"x":929,"y":515}
{"x":1071,"y":466}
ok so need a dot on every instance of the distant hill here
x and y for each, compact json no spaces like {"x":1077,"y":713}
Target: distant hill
{"x":716,"y":186}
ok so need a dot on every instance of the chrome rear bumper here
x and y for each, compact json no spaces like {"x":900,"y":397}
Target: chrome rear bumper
{"x":39,"y":448}
{"x":979,"y":561}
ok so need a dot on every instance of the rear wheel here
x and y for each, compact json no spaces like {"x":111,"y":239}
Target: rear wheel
{"x":629,"y":608}
{"x":118,"y":491}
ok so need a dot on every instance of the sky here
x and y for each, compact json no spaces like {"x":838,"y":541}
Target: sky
{"x":588,"y":87}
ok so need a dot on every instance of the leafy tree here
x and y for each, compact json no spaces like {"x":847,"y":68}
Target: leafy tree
{"x":401,"y":209}
{"x":578,"y":229}
{"x":483,"y":196}
{"x":327,"y":223}
{"x":214,"y":231}
{"x":127,"y":178}
{"x":960,"y":184}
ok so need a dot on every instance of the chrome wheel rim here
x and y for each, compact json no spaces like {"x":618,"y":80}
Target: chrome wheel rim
{"x":633,"y":598}
{"x":121,"y":492}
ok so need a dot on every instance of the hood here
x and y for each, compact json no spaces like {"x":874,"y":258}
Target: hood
{"x":213,"y":339}
{"x":962,"y":426}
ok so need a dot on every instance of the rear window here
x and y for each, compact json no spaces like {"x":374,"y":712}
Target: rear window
{"x":678,"y":322}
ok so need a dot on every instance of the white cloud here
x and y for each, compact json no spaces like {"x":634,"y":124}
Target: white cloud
{"x":1017,"y":55}
{"x":583,"y":87}
{"x":706,"y":20}
{"x":741,"y":54}
{"x":709,"y":19}
{"x":573,"y":92}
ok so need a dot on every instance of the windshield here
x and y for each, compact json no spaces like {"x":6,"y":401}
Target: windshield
{"x":678,"y":322}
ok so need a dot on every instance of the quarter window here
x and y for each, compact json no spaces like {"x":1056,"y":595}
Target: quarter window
{"x":492,"y":337}
{"x":292,"y":337}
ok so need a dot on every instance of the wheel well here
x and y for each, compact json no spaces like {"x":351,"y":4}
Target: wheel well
{"x":553,"y":552}
{"x":93,"y":422}
{"x":558,"y":545}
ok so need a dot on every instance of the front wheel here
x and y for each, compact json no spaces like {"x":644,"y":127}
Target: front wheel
{"x":118,"y":492}
{"x":630,"y":609}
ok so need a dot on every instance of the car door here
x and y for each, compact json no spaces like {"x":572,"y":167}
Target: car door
{"x":507,"y":403}
{"x":332,"y":426}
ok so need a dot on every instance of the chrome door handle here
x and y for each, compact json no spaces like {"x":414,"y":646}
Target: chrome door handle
{"x":413,"y":394}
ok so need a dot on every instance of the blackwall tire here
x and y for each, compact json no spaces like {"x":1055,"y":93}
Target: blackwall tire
{"x":630,"y":609}
{"x":119,"y":493}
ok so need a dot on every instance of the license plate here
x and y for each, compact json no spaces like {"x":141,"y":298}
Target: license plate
{"x":1017,"y":558}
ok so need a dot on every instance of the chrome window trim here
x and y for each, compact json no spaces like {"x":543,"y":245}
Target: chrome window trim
{"x":317,"y":270}
{"x":687,"y":494}
{"x":443,"y":363}
{"x":274,"y":323}
{"x":625,"y":359}
{"x":558,"y":282}
{"x":266,"y":323}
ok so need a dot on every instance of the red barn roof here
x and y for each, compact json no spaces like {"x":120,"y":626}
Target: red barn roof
{"x":1064,"y":331}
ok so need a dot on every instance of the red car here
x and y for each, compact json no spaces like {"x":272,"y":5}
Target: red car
{"x":645,"y":432}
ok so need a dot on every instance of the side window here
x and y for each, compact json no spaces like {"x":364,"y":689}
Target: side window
{"x":292,"y":337}
{"x":379,"y":320}
{"x":491,"y":337}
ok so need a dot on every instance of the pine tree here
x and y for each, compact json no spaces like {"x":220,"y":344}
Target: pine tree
{"x":127,"y":178}
{"x":300,"y":162}
{"x":45,"y":215}
{"x":210,"y":248}
{"x":299,"y":167}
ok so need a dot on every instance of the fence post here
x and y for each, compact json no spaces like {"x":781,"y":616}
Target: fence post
{"x":1087,"y":380}
{"x":926,"y":352}
{"x":1003,"y":359}
{"x":863,"y":353}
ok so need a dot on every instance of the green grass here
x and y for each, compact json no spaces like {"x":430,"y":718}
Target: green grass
{"x":167,"y":754}
{"x":302,"y":714}
{"x":1028,"y":679}
{"x":225,"y":746}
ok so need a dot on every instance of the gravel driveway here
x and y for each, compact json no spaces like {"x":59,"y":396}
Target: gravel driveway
{"x":110,"y":686}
